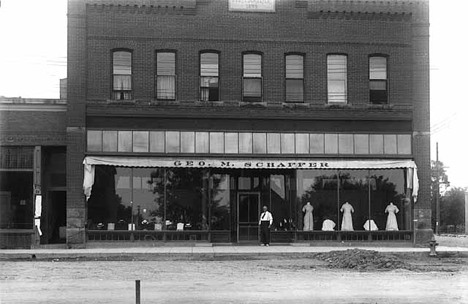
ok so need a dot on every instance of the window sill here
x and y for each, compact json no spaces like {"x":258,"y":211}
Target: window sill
{"x":253,"y":104}
{"x":301,"y":104}
{"x":380,"y":106}
{"x":338,"y":105}
{"x":121,"y":101}
{"x":165,"y":102}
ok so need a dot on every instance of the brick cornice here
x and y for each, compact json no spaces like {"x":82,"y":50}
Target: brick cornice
{"x":260,"y":111}
{"x":169,"y":7}
{"x":33,"y":139}
{"x":382,"y":10}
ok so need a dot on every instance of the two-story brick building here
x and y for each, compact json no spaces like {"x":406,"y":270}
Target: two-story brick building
{"x":186,"y":116}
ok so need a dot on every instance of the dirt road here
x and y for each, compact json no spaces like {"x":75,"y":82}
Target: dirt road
{"x":241,"y":281}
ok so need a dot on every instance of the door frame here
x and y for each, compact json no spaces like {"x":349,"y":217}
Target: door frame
{"x":239,"y":193}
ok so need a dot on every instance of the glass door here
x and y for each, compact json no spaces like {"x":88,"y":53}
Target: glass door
{"x":248,"y":212}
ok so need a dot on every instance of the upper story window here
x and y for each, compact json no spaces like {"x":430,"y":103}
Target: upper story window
{"x":252,"y":77}
{"x":165,"y":75}
{"x":337,"y":78}
{"x":378,"y":85}
{"x":209,"y":76}
{"x":122,"y":75}
{"x":294,"y":78}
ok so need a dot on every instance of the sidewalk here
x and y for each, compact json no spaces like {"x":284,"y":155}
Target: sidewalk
{"x":142,"y":253}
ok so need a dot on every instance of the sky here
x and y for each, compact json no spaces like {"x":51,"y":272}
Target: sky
{"x":33,"y":51}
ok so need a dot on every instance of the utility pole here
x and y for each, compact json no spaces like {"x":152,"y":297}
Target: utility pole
{"x":438,"y":190}
{"x":466,"y":212}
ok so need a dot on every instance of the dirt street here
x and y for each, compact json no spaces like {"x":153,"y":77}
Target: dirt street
{"x":278,"y":280}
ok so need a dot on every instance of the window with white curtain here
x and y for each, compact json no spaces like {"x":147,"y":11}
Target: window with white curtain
{"x":252,"y":77}
{"x":378,"y":86}
{"x":294,"y":78}
{"x":337,"y":78}
{"x":122,"y":75}
{"x":165,"y":75}
{"x":209,"y":76}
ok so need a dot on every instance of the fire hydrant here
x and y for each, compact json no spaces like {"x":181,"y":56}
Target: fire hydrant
{"x":432,"y":247}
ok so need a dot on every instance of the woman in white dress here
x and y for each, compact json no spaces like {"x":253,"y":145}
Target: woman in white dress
{"x":391,"y":219}
{"x":308,"y":217}
{"x":347,"y":222}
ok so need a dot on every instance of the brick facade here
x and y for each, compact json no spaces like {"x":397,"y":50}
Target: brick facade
{"x":398,"y":29}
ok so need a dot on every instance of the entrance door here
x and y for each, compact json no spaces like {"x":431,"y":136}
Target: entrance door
{"x":248,"y":210}
{"x":55,"y":228}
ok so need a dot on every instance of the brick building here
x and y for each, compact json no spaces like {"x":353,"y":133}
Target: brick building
{"x":32,"y":171}
{"x":185,"y":117}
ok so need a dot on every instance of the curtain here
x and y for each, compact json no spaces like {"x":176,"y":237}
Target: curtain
{"x":252,"y":87}
{"x":165,"y":87}
{"x":122,"y":82}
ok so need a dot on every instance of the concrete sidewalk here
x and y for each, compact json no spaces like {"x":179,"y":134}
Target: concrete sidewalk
{"x":198,"y":251}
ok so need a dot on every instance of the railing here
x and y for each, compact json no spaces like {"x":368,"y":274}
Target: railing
{"x":360,"y":236}
{"x":224,"y":236}
{"x":282,"y":236}
{"x":161,"y":236}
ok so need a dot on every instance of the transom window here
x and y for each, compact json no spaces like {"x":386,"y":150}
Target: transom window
{"x":165,"y":75}
{"x":252,"y":80}
{"x":294,"y":78}
{"x":209,"y":77}
{"x":122,"y":75}
{"x":337,"y":78}
{"x":378,"y":86}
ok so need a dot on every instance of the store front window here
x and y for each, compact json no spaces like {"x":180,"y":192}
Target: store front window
{"x":198,"y":199}
{"x":186,"y":201}
{"x":220,"y":202}
{"x":388,"y":187}
{"x":319,"y":188}
{"x":281,"y":202}
{"x":110,"y":205}
{"x":158,"y":199}
{"x":353,"y":200}
{"x":16,"y":200}
{"x":354,"y":191}
{"x":16,"y":188}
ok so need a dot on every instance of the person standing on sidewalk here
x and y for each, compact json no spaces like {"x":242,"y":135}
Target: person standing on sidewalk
{"x":265,"y":222}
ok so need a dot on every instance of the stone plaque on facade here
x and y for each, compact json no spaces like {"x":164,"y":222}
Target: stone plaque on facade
{"x":252,"y":5}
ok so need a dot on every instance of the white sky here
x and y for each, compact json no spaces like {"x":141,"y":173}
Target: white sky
{"x":33,"y":54}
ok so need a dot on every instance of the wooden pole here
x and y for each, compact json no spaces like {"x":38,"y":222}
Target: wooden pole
{"x":137,"y":291}
{"x":437,"y":190}
{"x":466,"y":212}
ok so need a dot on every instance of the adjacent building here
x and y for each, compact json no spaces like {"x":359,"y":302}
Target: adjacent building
{"x":32,"y":172}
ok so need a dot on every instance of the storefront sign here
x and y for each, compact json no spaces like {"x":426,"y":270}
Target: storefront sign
{"x":252,"y":5}
{"x":251,"y":164}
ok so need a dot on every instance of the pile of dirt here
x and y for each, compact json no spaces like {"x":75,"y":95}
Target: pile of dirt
{"x":362,"y":260}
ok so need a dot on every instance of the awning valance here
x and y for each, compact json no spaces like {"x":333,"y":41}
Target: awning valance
{"x":253,"y":163}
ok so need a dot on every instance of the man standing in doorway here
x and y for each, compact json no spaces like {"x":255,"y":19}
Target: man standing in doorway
{"x":266,"y":219}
